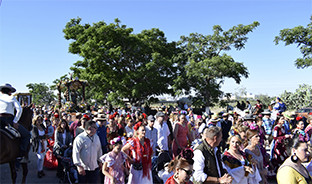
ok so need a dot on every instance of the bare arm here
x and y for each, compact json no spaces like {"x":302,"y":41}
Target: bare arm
{"x":125,"y":149}
{"x":105,"y":171}
{"x":175,"y":134}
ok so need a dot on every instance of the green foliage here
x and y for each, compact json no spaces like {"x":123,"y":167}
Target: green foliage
{"x":202,"y":65}
{"x":119,"y":64}
{"x":302,"y":97}
{"x":41,"y":93}
{"x":302,"y":37}
{"x":265,"y":100}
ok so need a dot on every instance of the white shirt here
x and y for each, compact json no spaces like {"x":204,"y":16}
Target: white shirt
{"x":151,"y":134}
{"x":87,"y":153}
{"x":199,"y":165}
{"x":8,"y":104}
{"x":163,"y":133}
{"x":129,"y":131}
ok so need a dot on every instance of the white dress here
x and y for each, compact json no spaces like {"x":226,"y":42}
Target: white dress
{"x":239,"y":177}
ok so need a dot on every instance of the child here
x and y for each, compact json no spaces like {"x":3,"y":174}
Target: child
{"x":113,"y":163}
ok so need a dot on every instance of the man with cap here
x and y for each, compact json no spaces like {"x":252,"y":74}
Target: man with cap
{"x":101,"y":132}
{"x":163,"y":132}
{"x":8,"y":104}
{"x":151,"y":133}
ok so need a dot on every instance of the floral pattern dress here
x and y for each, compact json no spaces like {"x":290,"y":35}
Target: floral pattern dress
{"x":115,"y":164}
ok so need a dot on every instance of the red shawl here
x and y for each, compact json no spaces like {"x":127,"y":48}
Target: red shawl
{"x":143,"y":155}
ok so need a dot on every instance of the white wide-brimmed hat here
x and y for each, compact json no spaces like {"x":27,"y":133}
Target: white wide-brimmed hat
{"x":9,"y":86}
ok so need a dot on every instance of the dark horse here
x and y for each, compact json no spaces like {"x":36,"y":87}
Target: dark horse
{"x":10,"y":148}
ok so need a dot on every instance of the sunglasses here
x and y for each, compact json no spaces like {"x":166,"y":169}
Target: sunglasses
{"x":188,"y":172}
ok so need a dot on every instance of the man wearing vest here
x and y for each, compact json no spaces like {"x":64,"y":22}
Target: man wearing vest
{"x":207,"y":159}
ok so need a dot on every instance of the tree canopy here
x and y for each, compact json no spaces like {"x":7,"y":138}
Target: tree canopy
{"x":120,"y":64}
{"x":302,"y":97}
{"x":41,"y":93}
{"x":302,"y":37}
{"x":204,"y":65}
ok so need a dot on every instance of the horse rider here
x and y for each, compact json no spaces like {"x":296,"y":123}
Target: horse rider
{"x":7,"y":105}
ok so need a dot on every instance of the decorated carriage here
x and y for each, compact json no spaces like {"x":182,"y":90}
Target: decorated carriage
{"x":74,"y":95}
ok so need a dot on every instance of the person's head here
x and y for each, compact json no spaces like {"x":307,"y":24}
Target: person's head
{"x":259,"y":121}
{"x":253,"y":137}
{"x":182,"y":118}
{"x":278,"y":99}
{"x":47,"y":122}
{"x":37,"y":120}
{"x":7,"y":89}
{"x":241,"y":130}
{"x":300,"y":152}
{"x":139,"y":129}
{"x":300,"y":125}
{"x":182,"y":166}
{"x":78,"y":115}
{"x":150,"y":120}
{"x":213,"y":135}
{"x":198,"y":122}
{"x":309,"y":120}
{"x":63,"y":125}
{"x":69,"y":118}
{"x":101,"y":122}
{"x":160,"y":116}
{"x":235,"y":142}
{"x":90,"y":127}
{"x":280,"y":120}
{"x":111,"y":122}
{"x":130,"y":122}
{"x":225,"y":116}
{"x":116,"y":144}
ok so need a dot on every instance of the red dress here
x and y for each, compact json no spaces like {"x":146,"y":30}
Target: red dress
{"x":279,"y":150}
{"x":172,"y":181}
{"x":181,"y":139}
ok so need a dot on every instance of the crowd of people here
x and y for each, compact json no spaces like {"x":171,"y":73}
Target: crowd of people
{"x":174,"y":145}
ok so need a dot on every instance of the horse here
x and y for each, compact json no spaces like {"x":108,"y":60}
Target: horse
{"x":10,"y":147}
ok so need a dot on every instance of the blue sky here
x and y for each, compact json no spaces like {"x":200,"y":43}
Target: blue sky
{"x":33,"y":48}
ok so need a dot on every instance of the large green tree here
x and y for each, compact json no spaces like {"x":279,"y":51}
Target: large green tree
{"x":302,"y":97}
{"x":302,"y":37}
{"x":41,"y":93}
{"x":120,"y":64}
{"x":203,"y":64}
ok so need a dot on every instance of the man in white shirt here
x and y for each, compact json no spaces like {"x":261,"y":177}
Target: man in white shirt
{"x":8,"y":104}
{"x":207,"y":159}
{"x":86,"y":153}
{"x":162,"y":131}
{"x":151,"y":133}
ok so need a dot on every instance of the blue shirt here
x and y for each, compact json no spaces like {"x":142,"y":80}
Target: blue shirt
{"x":101,"y":132}
{"x":267,"y":125}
